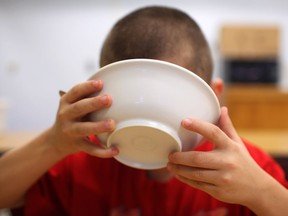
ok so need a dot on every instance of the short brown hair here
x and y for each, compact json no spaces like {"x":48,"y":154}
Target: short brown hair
{"x":159,"y":33}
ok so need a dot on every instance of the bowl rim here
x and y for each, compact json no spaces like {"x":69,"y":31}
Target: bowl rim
{"x":157,"y":61}
{"x":174,"y":67}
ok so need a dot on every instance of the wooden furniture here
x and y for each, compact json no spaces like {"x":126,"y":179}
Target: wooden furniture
{"x":10,"y":140}
{"x":249,"y":42}
{"x":257,"y":106}
{"x":274,"y":142}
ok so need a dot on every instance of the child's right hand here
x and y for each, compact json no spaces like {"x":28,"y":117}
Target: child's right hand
{"x":70,"y":133}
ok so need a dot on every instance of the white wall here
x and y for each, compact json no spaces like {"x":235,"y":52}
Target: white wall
{"x":47,"y":46}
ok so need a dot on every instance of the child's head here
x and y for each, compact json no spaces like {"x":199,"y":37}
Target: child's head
{"x":159,"y":33}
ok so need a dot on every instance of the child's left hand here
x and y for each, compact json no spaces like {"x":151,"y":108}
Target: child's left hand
{"x":228,"y":172}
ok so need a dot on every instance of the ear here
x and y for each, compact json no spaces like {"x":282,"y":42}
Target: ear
{"x":217,"y":86}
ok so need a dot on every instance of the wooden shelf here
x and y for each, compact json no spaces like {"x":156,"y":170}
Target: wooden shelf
{"x":249,"y":42}
{"x":257,"y":106}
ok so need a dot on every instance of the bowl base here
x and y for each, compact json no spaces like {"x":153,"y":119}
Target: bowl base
{"x":144,"y":145}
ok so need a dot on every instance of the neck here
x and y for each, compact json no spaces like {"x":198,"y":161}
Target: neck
{"x":161,"y":175}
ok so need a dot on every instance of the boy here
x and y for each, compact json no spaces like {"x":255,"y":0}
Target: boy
{"x":219,"y":178}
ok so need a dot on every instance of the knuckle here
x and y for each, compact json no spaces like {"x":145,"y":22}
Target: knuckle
{"x":226,"y":179}
{"x":230,"y":163}
{"x":198,"y":159}
{"x":76,"y":108}
{"x":75,"y":90}
{"x":215,"y":131}
{"x":235,"y":149}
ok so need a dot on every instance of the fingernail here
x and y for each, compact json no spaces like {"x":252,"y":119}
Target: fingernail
{"x":187,"y":122}
{"x":108,"y":125}
{"x":96,"y":83}
{"x":115,"y":150}
{"x":105,"y":100}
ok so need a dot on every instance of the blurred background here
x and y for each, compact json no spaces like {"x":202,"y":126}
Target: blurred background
{"x":46,"y":46}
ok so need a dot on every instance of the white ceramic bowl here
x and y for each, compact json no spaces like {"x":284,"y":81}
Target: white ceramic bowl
{"x":150,"y":99}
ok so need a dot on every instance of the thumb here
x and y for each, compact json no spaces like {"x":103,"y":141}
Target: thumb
{"x":226,"y":125}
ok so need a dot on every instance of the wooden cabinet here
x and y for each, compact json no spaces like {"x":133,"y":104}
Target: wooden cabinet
{"x":249,"y":42}
{"x":257,"y":106}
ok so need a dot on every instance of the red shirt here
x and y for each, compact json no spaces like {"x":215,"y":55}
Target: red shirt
{"x":83,"y":185}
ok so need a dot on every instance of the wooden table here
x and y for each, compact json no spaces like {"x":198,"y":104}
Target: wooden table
{"x":275,"y":142}
{"x":9,"y":140}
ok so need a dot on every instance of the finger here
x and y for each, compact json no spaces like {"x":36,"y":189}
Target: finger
{"x":82,"y":90}
{"x":87,"y":105}
{"x":206,"y":187}
{"x":226,"y":125}
{"x":91,"y":128}
{"x":196,"y":174}
{"x":96,"y":150}
{"x":207,"y":130}
{"x":207,"y":160}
